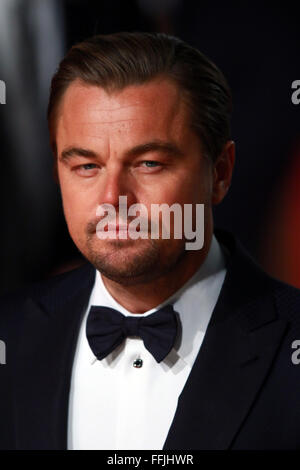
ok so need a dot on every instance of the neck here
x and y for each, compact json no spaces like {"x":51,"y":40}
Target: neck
{"x":142,"y":297}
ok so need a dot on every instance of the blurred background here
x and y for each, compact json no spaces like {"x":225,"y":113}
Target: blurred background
{"x":256,"y":45}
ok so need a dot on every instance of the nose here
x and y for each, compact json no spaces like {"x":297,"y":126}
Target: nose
{"x":115,"y":183}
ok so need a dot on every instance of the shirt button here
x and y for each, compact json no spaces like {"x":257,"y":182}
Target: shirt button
{"x":137,"y":363}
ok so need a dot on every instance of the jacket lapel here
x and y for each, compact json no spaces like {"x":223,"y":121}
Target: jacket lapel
{"x":237,"y":351}
{"x":44,"y":361}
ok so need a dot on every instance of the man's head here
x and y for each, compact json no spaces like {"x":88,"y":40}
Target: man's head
{"x":144,"y":116}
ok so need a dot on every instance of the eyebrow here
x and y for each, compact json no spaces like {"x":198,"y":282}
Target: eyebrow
{"x":153,"y":146}
{"x":70,"y":152}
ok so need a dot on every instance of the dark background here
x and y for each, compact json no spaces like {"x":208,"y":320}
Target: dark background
{"x":256,"y":45}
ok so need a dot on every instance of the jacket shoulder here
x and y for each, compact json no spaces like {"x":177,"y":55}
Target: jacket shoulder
{"x":58,"y":286}
{"x":287,"y":299}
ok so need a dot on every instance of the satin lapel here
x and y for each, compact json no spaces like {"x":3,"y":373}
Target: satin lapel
{"x":223,"y":384}
{"x":236,"y":354}
{"x":44,"y":365}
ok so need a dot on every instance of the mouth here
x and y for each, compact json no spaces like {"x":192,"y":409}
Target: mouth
{"x":120,"y":232}
{"x":114,"y":231}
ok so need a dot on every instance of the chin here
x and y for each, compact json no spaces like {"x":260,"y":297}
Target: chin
{"x":133,"y":262}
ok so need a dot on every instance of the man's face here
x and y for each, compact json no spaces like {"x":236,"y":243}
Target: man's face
{"x":138,"y":143}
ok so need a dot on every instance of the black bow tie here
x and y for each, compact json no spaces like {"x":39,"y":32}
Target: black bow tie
{"x":107,"y":328}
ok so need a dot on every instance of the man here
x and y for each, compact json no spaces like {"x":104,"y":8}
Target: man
{"x":149,"y":345}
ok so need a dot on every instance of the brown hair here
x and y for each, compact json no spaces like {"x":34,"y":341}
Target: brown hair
{"x":117,"y":60}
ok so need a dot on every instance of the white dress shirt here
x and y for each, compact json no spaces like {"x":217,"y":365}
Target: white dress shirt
{"x":116,"y":406}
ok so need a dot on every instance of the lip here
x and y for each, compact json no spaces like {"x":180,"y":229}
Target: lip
{"x":117,"y":228}
{"x":112,"y":227}
{"x":117,"y":231}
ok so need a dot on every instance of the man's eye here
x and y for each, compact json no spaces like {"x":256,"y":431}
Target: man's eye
{"x":88,"y":166}
{"x":151,"y":163}
{"x":86,"y":170}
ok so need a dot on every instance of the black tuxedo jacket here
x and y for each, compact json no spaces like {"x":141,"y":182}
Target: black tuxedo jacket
{"x":243,"y":391}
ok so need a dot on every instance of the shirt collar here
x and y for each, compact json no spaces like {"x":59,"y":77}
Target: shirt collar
{"x":194,"y":302}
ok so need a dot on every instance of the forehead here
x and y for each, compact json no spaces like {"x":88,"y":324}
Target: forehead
{"x":156,"y":107}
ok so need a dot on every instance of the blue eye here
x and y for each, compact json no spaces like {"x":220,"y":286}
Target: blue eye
{"x":151,"y":163}
{"x":86,"y":170}
{"x":88,"y":166}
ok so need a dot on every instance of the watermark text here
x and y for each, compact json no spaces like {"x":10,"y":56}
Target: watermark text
{"x":2,"y":92}
{"x":296,"y":94}
{"x":2,"y":352}
{"x":164,"y":221}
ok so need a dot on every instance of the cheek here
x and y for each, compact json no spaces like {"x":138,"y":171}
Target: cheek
{"x":72,"y":217}
{"x":184,"y":193}
{"x":75,"y":210}
{"x":171,"y":194}
{"x":77,"y":201}
{"x":192,"y":185}
{"x":199,"y":188}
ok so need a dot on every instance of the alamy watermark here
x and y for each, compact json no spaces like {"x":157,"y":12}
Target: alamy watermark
{"x":296,"y":354}
{"x":135,"y":222}
{"x":2,"y":92}
{"x":2,"y":352}
{"x":296,"y":94}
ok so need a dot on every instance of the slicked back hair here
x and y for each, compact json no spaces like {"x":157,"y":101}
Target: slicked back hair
{"x":118,"y":60}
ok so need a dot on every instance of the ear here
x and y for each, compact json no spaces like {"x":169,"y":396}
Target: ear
{"x":223,"y":168}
